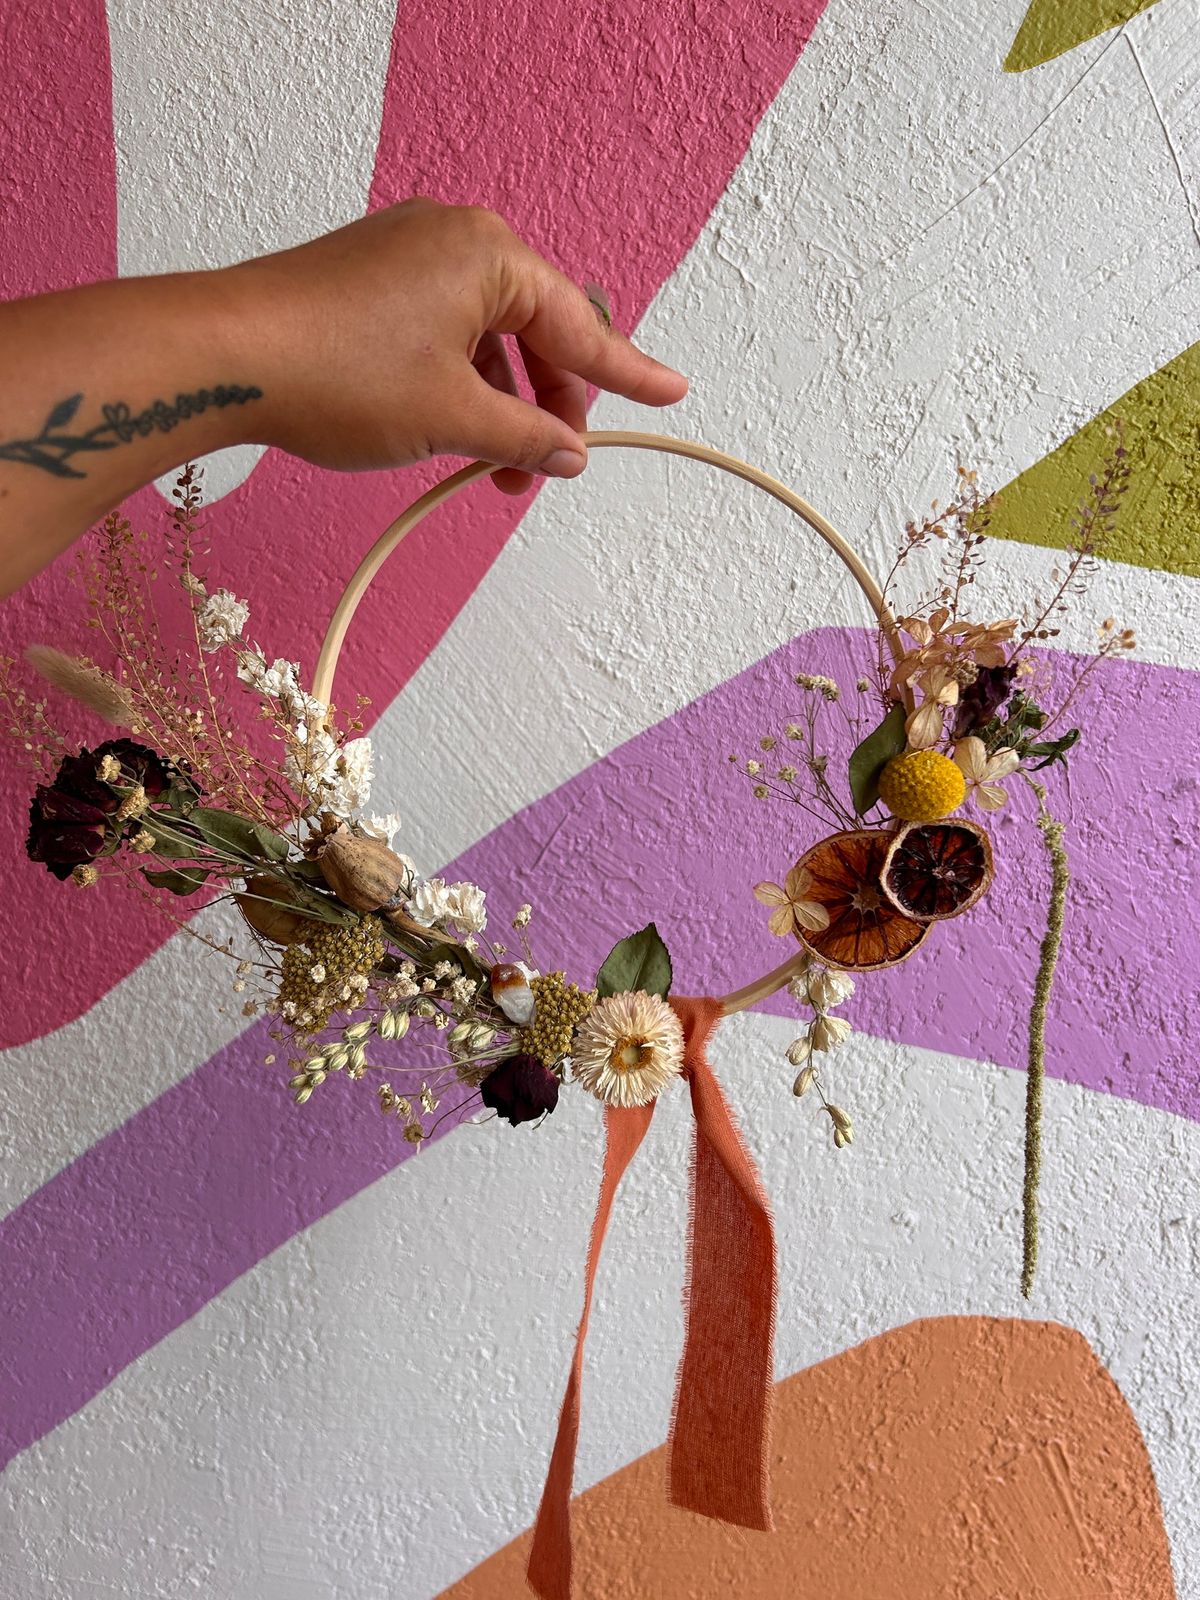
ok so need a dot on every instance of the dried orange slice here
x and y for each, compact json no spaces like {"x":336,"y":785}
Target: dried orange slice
{"x":865,"y":929}
{"x":936,"y":870}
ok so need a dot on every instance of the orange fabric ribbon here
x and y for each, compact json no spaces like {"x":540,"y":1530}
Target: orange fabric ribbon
{"x":720,"y":1429}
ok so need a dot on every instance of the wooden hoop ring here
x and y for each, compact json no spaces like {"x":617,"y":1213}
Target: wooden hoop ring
{"x":383,"y":547}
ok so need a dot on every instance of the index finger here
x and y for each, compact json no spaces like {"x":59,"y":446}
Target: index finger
{"x":555,"y":319}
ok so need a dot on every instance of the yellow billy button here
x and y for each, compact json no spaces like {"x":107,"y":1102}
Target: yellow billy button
{"x":922,"y":786}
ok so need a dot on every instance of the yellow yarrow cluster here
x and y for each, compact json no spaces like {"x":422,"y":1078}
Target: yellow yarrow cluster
{"x":329,"y":971}
{"x":922,"y":786}
{"x":560,"y":1008}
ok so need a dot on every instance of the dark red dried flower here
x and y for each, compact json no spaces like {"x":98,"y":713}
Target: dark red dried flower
{"x":520,"y":1088}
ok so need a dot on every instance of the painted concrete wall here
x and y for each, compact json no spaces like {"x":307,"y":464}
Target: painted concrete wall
{"x":249,"y":1353}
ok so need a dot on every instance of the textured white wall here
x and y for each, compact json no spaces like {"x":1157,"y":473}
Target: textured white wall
{"x":918,"y":258}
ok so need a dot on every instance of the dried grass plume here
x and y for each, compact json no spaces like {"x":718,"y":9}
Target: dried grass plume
{"x":85,"y":683}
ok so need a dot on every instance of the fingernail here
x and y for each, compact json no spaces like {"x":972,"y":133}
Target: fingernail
{"x":563,"y":464}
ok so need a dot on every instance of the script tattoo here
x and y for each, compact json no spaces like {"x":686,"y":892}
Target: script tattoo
{"x":57,"y":445}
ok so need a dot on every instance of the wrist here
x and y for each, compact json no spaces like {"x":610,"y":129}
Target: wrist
{"x":246,"y":310}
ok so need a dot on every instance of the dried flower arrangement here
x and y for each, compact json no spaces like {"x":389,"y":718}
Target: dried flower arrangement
{"x":349,"y":944}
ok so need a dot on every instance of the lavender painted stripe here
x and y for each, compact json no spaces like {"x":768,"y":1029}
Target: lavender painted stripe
{"x":144,"y":1229}
{"x":140,"y":1232}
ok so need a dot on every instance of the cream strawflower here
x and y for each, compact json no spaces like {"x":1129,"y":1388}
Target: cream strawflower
{"x":982,"y":771}
{"x":793,"y":910}
{"x":628,"y":1048}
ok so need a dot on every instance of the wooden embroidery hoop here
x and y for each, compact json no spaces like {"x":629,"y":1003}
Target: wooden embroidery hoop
{"x":343,"y":614}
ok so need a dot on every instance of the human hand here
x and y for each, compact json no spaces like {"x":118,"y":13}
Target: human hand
{"x":382,"y":344}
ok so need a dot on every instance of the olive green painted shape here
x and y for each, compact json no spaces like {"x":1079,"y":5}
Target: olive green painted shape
{"x":1052,"y":27}
{"x":1158,"y":524}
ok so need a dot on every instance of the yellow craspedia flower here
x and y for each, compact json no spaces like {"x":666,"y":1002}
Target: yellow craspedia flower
{"x":922,"y":786}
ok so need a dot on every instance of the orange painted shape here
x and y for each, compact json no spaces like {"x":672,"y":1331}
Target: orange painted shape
{"x":964,"y":1457}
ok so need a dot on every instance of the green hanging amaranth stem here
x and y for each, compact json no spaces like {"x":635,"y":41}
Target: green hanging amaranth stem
{"x":1052,"y":833}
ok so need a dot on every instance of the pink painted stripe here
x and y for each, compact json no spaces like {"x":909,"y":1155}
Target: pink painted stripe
{"x":611,"y":169}
{"x":145,"y":1228}
{"x":58,"y":193}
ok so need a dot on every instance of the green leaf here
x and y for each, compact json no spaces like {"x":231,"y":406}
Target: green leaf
{"x":1052,"y":749}
{"x":238,"y":836}
{"x":641,"y":961}
{"x":179,"y":880}
{"x":173,"y":839}
{"x":871,"y":756}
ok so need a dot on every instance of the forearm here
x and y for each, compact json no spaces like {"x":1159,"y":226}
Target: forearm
{"x":104,"y":388}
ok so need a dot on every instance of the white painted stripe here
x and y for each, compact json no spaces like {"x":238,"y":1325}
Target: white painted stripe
{"x":371,"y":1409}
{"x":241,"y":129}
{"x":867,"y":359}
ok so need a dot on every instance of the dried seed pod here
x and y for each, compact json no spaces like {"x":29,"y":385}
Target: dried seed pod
{"x":265,"y":907}
{"x":804,"y":1080}
{"x":363,"y":873}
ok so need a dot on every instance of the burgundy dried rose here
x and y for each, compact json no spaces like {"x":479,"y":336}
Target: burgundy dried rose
{"x":520,"y":1088}
{"x":980,"y":701}
{"x":68,"y":819}
{"x":139,"y":764}
{"x":65,"y":832}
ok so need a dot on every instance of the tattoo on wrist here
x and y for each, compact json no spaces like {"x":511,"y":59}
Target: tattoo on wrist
{"x":57,"y":445}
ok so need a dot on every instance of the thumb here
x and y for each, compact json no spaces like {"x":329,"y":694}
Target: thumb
{"x":500,"y":427}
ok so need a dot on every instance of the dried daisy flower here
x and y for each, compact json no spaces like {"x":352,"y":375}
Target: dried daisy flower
{"x":628,"y":1049}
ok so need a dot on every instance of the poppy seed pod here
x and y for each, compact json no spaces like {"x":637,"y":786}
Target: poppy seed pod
{"x":363,"y":873}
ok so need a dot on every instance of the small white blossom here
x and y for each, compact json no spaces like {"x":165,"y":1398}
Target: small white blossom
{"x":830,"y":1032}
{"x":385,"y":828}
{"x":317,"y":972}
{"x":221,"y":619}
{"x":280,"y":680}
{"x":429,"y":902}
{"x":822,"y":988}
{"x":350,"y":788}
{"x":465,"y":907}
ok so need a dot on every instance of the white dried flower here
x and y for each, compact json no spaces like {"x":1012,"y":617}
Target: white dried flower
{"x":830,"y":1032}
{"x":348,"y":788}
{"x":521,"y":920}
{"x":429,"y":902}
{"x":109,"y":770}
{"x":465,"y":907}
{"x":822,"y":988}
{"x":317,"y":972}
{"x":279,"y":681}
{"x":385,"y":828}
{"x":221,"y":619}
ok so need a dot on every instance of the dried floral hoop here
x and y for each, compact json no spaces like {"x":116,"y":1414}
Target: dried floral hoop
{"x":368,"y":568}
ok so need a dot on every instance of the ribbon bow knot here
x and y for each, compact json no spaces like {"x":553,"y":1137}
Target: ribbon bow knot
{"x":720,"y":1427}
